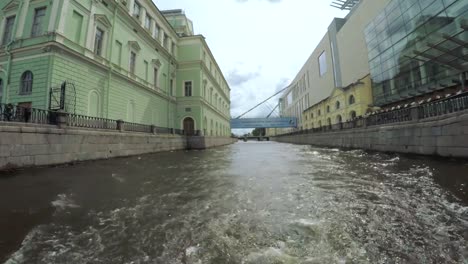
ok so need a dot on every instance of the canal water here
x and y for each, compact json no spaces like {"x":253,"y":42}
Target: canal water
{"x":252,"y":203}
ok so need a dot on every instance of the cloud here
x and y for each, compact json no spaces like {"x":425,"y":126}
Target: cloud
{"x":283,"y":83}
{"x":235,"y":78}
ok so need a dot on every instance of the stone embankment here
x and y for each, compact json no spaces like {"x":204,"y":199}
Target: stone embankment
{"x":444,"y":135}
{"x":24,"y":145}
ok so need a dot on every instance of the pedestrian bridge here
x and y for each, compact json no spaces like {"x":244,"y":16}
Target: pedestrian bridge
{"x":278,"y":122}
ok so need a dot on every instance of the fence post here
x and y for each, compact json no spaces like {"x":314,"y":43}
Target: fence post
{"x":62,"y":119}
{"x":120,"y":125}
{"x":414,"y":113}
{"x":153,"y":129}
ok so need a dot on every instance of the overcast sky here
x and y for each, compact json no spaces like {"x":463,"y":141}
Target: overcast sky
{"x":260,"y":45}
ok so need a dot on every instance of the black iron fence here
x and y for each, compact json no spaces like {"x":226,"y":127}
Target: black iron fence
{"x":11,"y":113}
{"x":413,"y":112}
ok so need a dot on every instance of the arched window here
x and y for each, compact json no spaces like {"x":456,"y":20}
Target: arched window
{"x":319,"y":112}
{"x":328,"y":109}
{"x":339,"y":119}
{"x":352,"y":114}
{"x":352,"y":100}
{"x":329,"y":122}
{"x":337,"y":105}
{"x":320,"y":124}
{"x":26,"y":83}
{"x":311,"y":115}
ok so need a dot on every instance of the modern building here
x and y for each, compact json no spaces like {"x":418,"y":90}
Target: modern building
{"x":116,"y":59}
{"x":410,"y":49}
{"x":417,"y":49}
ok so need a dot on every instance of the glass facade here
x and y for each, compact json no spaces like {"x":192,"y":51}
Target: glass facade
{"x":416,"y":47}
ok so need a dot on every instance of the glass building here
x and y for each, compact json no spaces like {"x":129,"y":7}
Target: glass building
{"x":417,"y":47}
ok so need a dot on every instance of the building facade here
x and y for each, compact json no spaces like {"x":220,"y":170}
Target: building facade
{"x":344,"y":104}
{"x":406,"y":50}
{"x":417,"y":48}
{"x":339,"y":61}
{"x":119,"y":59}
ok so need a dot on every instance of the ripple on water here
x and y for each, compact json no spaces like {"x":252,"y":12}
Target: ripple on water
{"x":308,"y":205}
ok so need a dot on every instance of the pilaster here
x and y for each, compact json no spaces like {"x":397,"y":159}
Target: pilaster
{"x":22,"y":19}
{"x":63,"y":16}
{"x":54,"y":15}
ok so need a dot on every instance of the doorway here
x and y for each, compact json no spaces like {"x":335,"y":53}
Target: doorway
{"x":189,"y":126}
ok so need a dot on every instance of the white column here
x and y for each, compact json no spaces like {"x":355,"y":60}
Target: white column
{"x":22,"y":20}
{"x":63,"y":16}
{"x":142,"y":16}
{"x":91,"y":28}
{"x":53,"y":16}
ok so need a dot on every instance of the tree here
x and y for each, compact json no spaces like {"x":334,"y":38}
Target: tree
{"x":258,"y":132}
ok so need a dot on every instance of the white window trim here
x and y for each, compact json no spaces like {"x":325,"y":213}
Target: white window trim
{"x":101,"y":22}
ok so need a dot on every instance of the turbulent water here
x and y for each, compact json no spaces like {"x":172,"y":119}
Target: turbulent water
{"x":246,"y":203}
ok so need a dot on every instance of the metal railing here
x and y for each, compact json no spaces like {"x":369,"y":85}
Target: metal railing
{"x":74,"y":120}
{"x":11,"y":113}
{"x":414,"y":112}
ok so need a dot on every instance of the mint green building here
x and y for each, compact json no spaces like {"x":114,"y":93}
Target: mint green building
{"x":121,"y":59}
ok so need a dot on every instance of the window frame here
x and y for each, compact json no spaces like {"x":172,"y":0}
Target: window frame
{"x":26,"y":85}
{"x":148,"y":20}
{"x":352,"y":100}
{"x":188,"y":90}
{"x":99,"y":46}
{"x":135,"y":14}
{"x":36,"y":28}
{"x":132,"y":62}
{"x":6,"y":40}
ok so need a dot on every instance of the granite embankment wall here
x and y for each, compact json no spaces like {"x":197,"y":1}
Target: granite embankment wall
{"x":24,"y":145}
{"x":445,"y":135}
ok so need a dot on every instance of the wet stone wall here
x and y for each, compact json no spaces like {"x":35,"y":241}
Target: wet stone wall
{"x":37,"y":145}
{"x":445,"y":136}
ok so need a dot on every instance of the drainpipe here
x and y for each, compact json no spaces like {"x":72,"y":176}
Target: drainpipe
{"x":10,"y":56}
{"x":111,"y":38}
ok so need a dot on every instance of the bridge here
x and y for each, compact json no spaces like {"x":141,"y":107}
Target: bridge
{"x":267,"y":122}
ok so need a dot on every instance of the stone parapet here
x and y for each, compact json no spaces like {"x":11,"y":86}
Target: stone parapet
{"x":445,"y":136}
{"x":24,"y":145}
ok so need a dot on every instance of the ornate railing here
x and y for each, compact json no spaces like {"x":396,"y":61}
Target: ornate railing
{"x":11,"y":113}
{"x":74,"y":120}
{"x":414,"y":112}
{"x":134,"y":127}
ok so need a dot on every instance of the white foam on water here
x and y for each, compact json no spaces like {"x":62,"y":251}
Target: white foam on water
{"x":63,"y":202}
{"x":118,"y":178}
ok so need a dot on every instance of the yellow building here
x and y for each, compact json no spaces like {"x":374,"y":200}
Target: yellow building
{"x":344,"y":104}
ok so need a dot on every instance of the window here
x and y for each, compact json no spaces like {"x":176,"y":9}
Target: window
{"x":337,"y":105}
{"x":146,"y":70}
{"x":166,"y":41}
{"x":171,"y":87}
{"x":26,"y":83}
{"x":136,"y":10}
{"x":328,"y":109}
{"x":188,"y":88}
{"x":132,"y":62}
{"x":323,"y":63}
{"x":156,"y":32}
{"x":7,"y":34}
{"x":156,"y":72}
{"x":98,"y":41}
{"x":148,"y":22}
{"x":352,"y":100}
{"x":39,"y":15}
